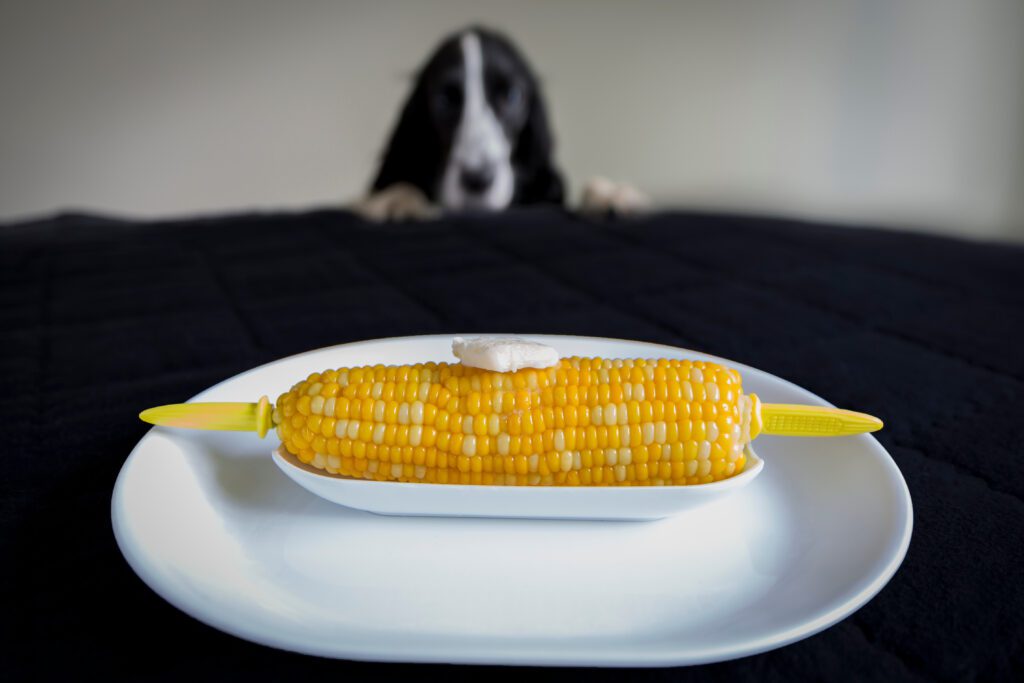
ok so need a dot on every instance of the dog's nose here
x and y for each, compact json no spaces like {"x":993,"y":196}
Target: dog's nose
{"x":476,"y":179}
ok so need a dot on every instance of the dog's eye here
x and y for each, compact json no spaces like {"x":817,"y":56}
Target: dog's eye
{"x":506,"y":93}
{"x":449,"y":97}
{"x":513,"y":94}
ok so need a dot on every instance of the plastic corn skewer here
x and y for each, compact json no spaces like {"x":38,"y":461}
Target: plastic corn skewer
{"x":586,"y":421}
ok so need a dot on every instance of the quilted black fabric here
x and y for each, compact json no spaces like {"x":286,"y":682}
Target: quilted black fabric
{"x":100,"y":318}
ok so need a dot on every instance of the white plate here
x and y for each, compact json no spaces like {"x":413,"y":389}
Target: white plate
{"x":210,"y":523}
{"x":637,"y":503}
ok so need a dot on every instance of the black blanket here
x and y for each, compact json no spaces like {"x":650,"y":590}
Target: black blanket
{"x":100,"y":318}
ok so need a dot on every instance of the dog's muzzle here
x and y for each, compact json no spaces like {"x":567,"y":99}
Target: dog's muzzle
{"x":476,"y":179}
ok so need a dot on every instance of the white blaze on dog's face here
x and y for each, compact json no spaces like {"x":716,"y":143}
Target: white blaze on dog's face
{"x":478,"y":173}
{"x":473,"y":133}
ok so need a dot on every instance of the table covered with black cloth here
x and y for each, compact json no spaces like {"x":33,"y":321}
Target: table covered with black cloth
{"x":100,"y":318}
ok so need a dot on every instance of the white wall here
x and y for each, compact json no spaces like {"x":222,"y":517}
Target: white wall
{"x":909,"y":112}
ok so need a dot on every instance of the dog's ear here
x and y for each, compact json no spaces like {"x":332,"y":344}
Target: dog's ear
{"x":538,"y":180}
{"x":414,"y":153}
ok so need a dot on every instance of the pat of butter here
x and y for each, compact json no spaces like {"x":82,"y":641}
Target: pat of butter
{"x":503,"y":354}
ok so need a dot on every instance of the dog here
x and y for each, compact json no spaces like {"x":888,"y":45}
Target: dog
{"x":474,"y":135}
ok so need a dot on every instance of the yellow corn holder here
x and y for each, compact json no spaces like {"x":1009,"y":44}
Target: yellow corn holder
{"x":585,"y":421}
{"x":227,"y":417}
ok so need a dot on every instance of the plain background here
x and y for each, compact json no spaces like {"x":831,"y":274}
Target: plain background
{"x":904,"y":112}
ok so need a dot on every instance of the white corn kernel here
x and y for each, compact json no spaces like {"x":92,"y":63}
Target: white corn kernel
{"x":660,"y":431}
{"x":316,"y":406}
{"x":647,"y":431}
{"x":712,"y":431}
{"x":565,"y":460}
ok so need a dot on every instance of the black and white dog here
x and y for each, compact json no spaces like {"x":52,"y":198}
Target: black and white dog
{"x":474,"y":135}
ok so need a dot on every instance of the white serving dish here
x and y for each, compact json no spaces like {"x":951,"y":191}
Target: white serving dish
{"x":634,"y":503}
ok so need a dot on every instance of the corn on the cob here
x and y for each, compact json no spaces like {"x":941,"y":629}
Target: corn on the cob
{"x":585,"y":421}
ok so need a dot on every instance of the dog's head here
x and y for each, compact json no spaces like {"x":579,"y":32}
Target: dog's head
{"x":474,"y":132}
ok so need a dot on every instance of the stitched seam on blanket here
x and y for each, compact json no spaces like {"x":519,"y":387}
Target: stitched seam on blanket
{"x":763,"y":284}
{"x":912,"y":669}
{"x":575,"y":288}
{"x":961,"y":470}
{"x":810,"y":250}
{"x":821,"y":251}
{"x":43,"y":345}
{"x":113,"y":321}
{"x":406,"y":293}
{"x":228,"y":297}
{"x":203,"y":376}
{"x":902,"y":336}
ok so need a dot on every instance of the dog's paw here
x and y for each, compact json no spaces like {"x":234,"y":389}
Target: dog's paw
{"x":603,"y":197}
{"x":398,"y":202}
